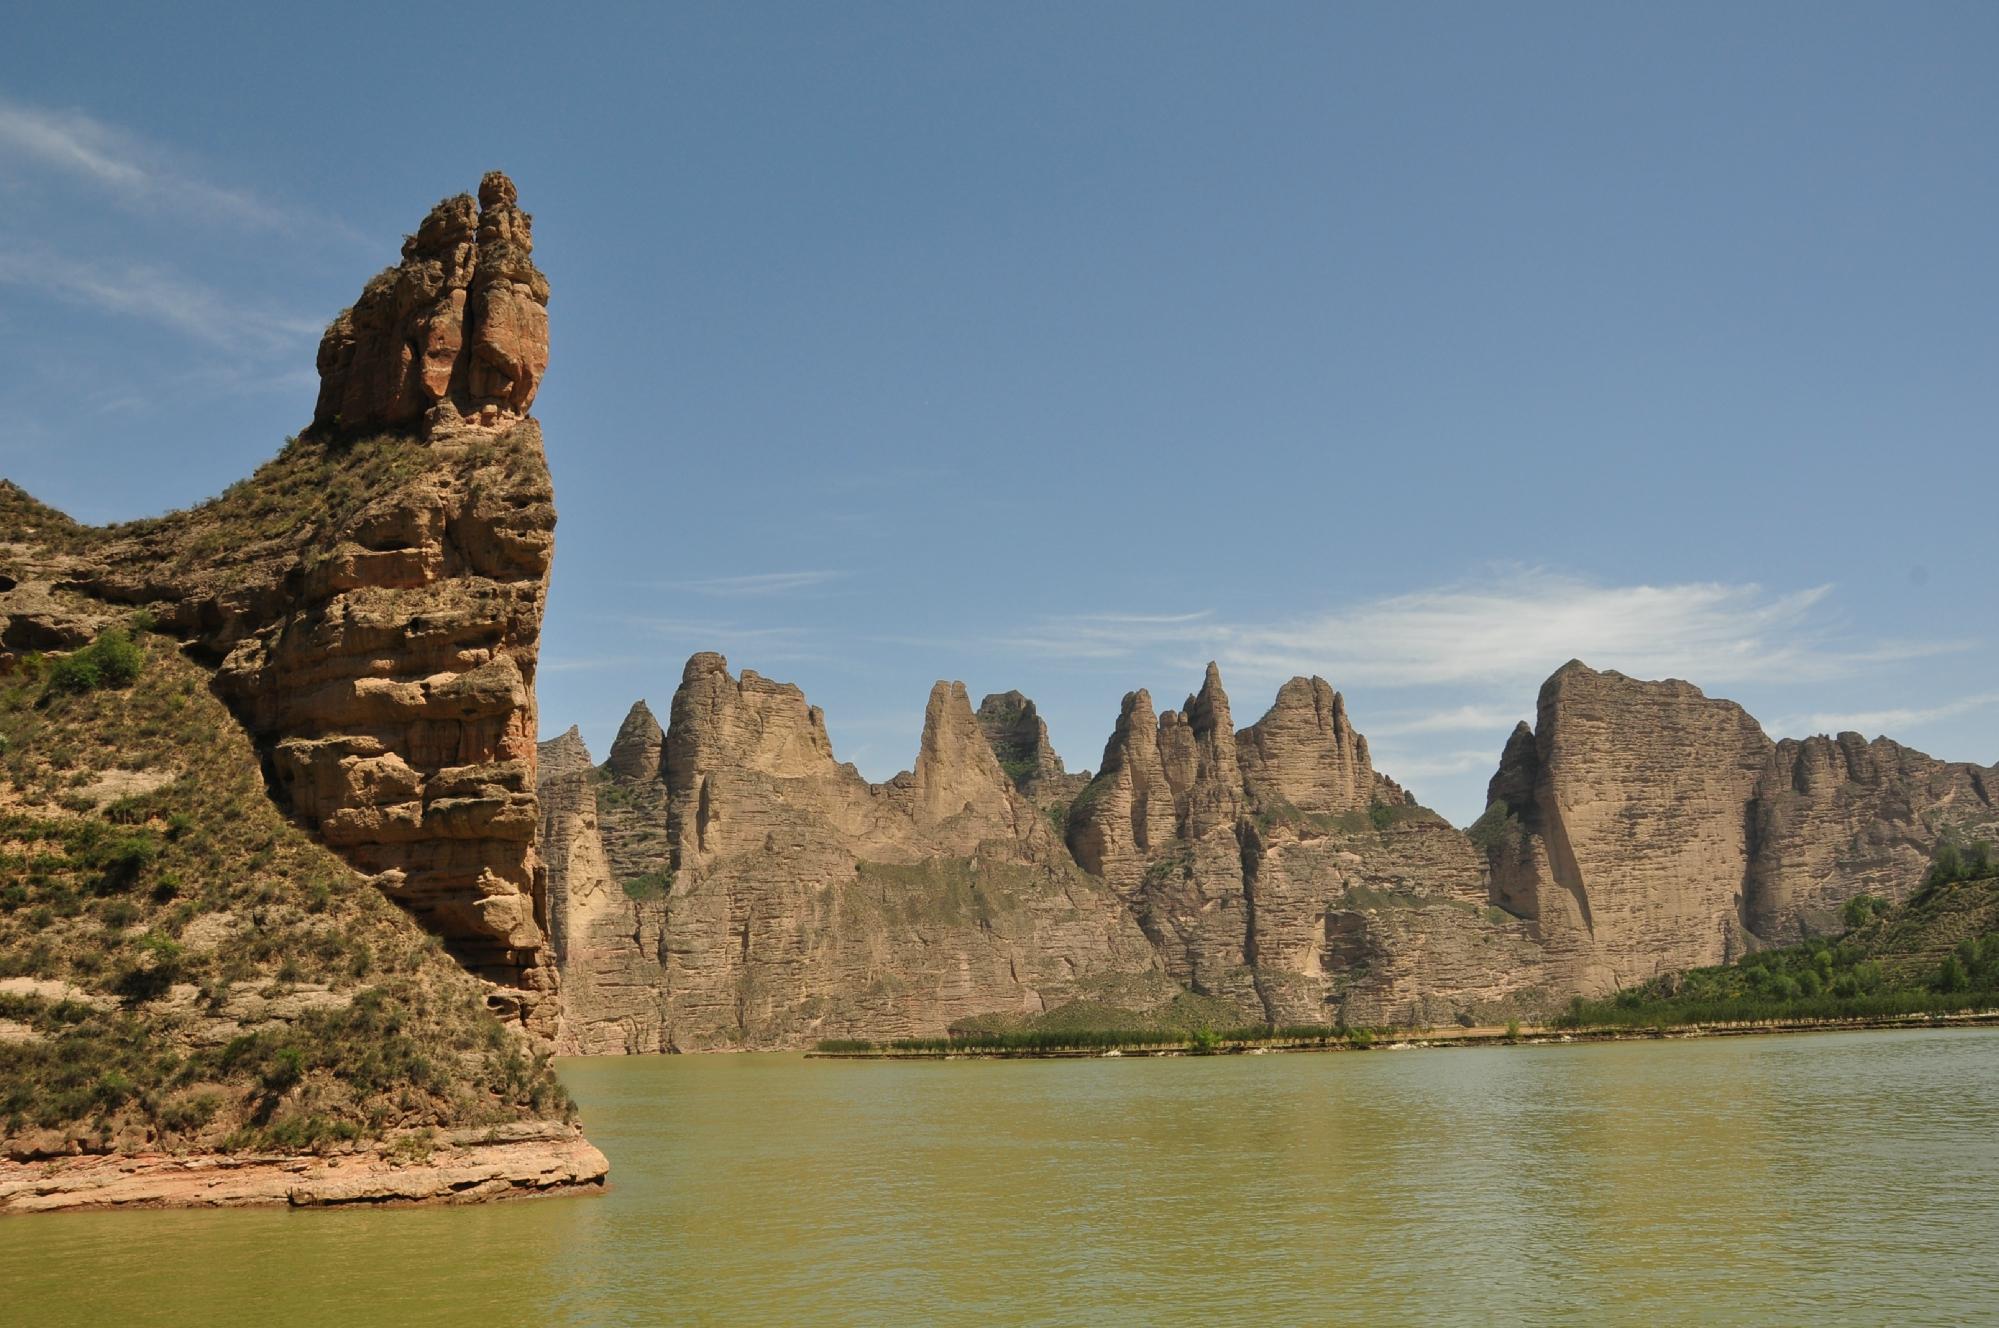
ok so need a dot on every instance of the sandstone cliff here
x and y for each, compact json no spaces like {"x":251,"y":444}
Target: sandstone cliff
{"x":371,"y":600}
{"x":1018,"y":736}
{"x":1642,"y":827}
{"x":607,"y":927}
{"x":789,"y":900}
{"x":769,"y":895}
{"x":1836,"y":817}
{"x":1277,"y":870}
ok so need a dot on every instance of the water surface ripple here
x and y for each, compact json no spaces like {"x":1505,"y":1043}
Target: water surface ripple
{"x":1843,"y":1178}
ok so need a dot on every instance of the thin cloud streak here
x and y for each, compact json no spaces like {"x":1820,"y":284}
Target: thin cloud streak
{"x":1883,"y":721}
{"x":136,"y":174}
{"x":1405,"y":767}
{"x":753,"y":584}
{"x":1464,"y":719}
{"x":151,"y":294}
{"x":1514,"y":630}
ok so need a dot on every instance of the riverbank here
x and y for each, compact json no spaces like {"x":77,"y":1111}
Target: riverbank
{"x":528,"y":1159}
{"x":1409,"y":1039}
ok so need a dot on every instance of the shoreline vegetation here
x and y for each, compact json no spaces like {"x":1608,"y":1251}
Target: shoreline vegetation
{"x":1237,"y":1042}
{"x":1933,"y":962}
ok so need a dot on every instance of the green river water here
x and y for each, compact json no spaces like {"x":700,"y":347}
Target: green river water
{"x":1838,"y":1178}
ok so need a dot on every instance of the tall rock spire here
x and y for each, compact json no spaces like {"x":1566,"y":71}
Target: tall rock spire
{"x":456,"y":332}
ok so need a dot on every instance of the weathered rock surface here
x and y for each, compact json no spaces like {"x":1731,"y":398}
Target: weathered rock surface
{"x":607,"y":939}
{"x":459,"y":328}
{"x":1635,"y":831}
{"x":1306,"y":754}
{"x":1018,"y":736}
{"x":372,"y":605}
{"x":1638,"y":827}
{"x":1642,"y":827}
{"x":1274,"y":868}
{"x":1836,"y":817}
{"x":806,"y":903}
{"x":470,"y":1166}
{"x":640,"y":747}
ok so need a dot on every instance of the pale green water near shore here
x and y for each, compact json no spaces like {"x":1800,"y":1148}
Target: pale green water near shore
{"x":1840,"y":1178}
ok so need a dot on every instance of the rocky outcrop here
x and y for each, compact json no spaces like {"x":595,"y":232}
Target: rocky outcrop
{"x":640,"y":747}
{"x":1637,"y":827}
{"x":805,"y":902}
{"x":1634,"y":833}
{"x":371,"y":605}
{"x":459,"y":328}
{"x":606,"y":932}
{"x":1305,"y":754}
{"x":1275,"y":869}
{"x":469,"y":1166}
{"x":1836,"y":817}
{"x":1642,"y":827}
{"x":1018,"y":736}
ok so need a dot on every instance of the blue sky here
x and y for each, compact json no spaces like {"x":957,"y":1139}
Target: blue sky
{"x":1066,"y":347}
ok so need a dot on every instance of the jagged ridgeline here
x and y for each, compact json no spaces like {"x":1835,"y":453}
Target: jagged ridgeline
{"x":727,"y":882}
{"x":233,"y":735}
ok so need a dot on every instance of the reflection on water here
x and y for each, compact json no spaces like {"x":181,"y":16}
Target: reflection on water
{"x":1837,"y":1178}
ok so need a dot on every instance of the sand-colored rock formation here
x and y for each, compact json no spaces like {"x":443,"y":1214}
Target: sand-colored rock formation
{"x":372,"y":604}
{"x":1276,"y":869}
{"x":1636,"y":837}
{"x":1638,"y":827}
{"x":807,"y":903}
{"x":606,"y":936}
{"x":467,"y":1166}
{"x":1642,"y":827}
{"x":458,"y":329}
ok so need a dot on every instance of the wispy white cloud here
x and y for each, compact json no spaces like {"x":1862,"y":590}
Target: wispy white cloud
{"x":1405,"y":766}
{"x":152,"y":294}
{"x":1510,"y":629}
{"x":1883,"y":721}
{"x":589,"y":663}
{"x":753,"y":584}
{"x":1461,"y":719}
{"x":698,"y":627}
{"x":137,"y":174}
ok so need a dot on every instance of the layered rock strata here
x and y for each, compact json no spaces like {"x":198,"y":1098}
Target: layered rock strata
{"x":1838,"y":816}
{"x":1018,"y":736}
{"x":372,"y":604}
{"x":466,"y":1166}
{"x":1642,"y":827}
{"x":1275,"y":868}
{"x":806,"y":903}
{"x":606,"y":931}
{"x":1637,"y":827}
{"x":458,"y":328}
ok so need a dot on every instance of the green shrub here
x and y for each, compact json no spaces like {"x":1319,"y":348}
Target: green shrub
{"x":1863,"y":909}
{"x":647,"y":885}
{"x":112,"y":660}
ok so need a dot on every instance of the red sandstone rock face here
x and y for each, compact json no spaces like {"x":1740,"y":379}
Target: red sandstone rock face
{"x":385,"y":667}
{"x":372,"y":604}
{"x":460,"y":324}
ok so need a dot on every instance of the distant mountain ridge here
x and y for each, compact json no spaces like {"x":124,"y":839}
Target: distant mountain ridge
{"x":1272,"y":872}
